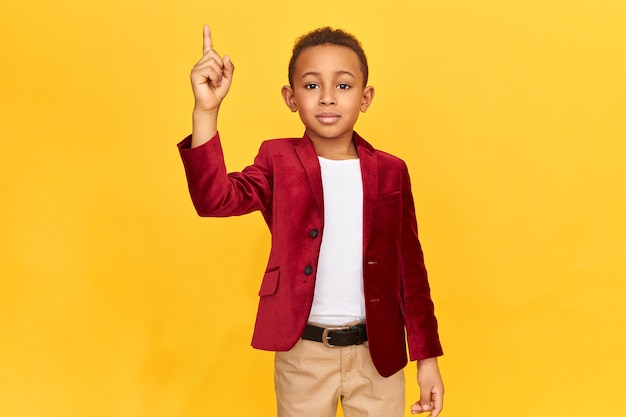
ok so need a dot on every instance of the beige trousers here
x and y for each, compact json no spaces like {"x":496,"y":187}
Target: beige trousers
{"x":311,"y":379}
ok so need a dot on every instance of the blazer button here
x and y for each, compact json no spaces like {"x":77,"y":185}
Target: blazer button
{"x":314,"y":233}
{"x":308,"y":270}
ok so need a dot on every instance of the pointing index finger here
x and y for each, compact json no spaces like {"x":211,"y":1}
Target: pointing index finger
{"x":207,"y":42}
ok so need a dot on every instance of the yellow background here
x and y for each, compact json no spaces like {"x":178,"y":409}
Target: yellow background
{"x":116,"y":300}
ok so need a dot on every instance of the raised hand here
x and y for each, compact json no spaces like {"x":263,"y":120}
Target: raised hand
{"x":210,"y":80}
{"x":211,"y":76}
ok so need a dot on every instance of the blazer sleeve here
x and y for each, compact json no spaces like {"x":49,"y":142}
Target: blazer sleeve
{"x":418,"y":309}
{"x":216,"y":193}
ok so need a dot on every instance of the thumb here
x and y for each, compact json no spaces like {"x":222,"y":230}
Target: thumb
{"x":229,"y":68}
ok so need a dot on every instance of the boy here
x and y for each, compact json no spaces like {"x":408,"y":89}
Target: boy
{"x":345,"y":276}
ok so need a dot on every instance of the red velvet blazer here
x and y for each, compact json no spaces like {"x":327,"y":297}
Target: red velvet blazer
{"x":285,"y":184}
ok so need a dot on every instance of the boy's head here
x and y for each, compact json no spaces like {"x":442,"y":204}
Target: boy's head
{"x":328,"y":84}
{"x":328,"y":36}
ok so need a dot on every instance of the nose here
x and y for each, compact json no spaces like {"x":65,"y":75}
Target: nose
{"x":327,"y":97}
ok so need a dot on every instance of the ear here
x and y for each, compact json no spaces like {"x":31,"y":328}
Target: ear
{"x":289,"y":98}
{"x":366,"y":98}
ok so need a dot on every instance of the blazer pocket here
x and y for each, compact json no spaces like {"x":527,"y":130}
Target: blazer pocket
{"x":396,"y":195}
{"x":270,"y":283}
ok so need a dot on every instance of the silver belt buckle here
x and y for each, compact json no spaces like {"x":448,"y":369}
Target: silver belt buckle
{"x":326,"y":337}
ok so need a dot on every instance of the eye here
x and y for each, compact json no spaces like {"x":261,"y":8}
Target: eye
{"x":311,"y":86}
{"x":343,"y":86}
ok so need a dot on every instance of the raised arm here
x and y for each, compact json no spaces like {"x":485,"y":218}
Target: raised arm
{"x":210,"y":80}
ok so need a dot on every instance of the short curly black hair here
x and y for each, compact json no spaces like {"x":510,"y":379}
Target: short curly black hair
{"x":328,"y":36}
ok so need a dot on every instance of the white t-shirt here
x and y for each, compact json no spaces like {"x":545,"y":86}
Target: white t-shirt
{"x":338,"y":297}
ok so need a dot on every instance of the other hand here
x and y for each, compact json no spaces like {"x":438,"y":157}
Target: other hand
{"x":431,"y":388}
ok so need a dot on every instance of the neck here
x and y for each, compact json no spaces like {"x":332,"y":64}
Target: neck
{"x":336,"y":148}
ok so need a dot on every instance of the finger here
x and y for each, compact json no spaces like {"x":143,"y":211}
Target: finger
{"x":437,"y":404}
{"x":229,"y":68}
{"x":207,"y":42}
{"x":417,"y":408}
{"x":213,"y":75}
{"x":425,"y":400}
{"x":434,"y":413}
{"x":207,"y":73}
{"x":210,"y":58}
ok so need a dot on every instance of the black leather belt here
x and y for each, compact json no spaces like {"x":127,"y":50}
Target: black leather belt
{"x":336,"y":336}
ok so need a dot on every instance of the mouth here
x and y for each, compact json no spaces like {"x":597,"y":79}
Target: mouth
{"x":327,"y":117}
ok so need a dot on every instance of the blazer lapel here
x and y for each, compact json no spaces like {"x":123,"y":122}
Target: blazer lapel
{"x":369,"y":174}
{"x":308,"y":158}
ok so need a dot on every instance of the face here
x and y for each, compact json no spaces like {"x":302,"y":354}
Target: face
{"x":328,"y":91}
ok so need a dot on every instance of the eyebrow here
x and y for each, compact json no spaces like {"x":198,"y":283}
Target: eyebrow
{"x":314,"y":73}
